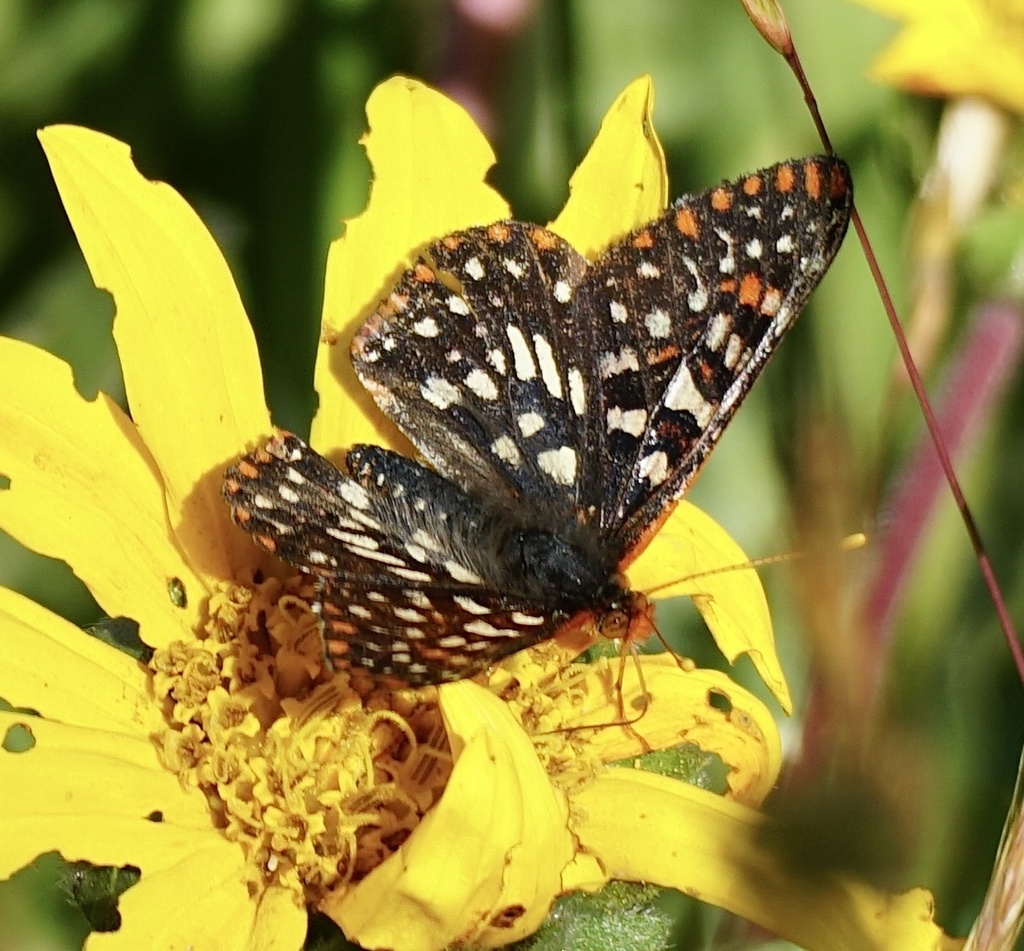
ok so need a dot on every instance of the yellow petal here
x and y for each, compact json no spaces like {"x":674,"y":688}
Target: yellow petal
{"x":429,"y":161}
{"x":648,"y":828}
{"x":495,"y":842}
{"x":201,"y":901}
{"x":677,"y":561}
{"x":87,"y":794}
{"x":684,"y":706}
{"x":85,"y":489}
{"x":621,"y":182}
{"x":189,"y":359}
{"x":50,"y":666}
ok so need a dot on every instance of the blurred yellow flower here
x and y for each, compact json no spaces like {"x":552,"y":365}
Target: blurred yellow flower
{"x":243,"y":780}
{"x":955,"y":48}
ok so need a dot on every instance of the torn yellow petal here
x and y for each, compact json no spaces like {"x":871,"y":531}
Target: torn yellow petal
{"x":649,"y":828}
{"x":201,"y":901}
{"x":429,"y":162}
{"x":87,"y":794}
{"x":188,"y":355}
{"x":483,"y":866}
{"x":51,"y":666}
{"x":702,"y":707}
{"x":85,"y":489}
{"x":621,"y":182}
{"x":687,"y":556}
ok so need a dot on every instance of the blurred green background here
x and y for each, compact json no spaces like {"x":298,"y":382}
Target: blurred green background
{"x":253,"y":109}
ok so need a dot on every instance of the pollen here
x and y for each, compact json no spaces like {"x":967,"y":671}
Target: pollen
{"x":317,"y":776}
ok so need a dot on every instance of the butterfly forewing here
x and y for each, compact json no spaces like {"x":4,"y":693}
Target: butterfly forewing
{"x":693,"y":305}
{"x":563,"y":406}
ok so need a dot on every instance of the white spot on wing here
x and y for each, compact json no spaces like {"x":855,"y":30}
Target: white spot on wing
{"x":647,"y":269}
{"x":577,"y":395}
{"x":354,"y":494}
{"x":654,"y":468}
{"x":530,"y":423}
{"x":632,"y":421}
{"x":482,"y":384}
{"x":548,"y":367}
{"x":614,"y":363}
{"x":474,"y":268}
{"x":697,"y":299}
{"x":486,"y":629}
{"x":506,"y":450}
{"x":659,"y":325}
{"x":618,"y":312}
{"x":717,"y":330}
{"x":513,"y":267}
{"x":682,"y":395}
{"x":471,"y":606}
{"x":457,"y":305}
{"x":754,"y":248}
{"x":526,"y":369}
{"x":496,"y":358}
{"x":288,"y":493}
{"x":462,"y":573}
{"x":732,"y":352}
{"x":562,"y":292}
{"x":439,"y":392}
{"x":785,"y":244}
{"x":559,"y":463}
{"x":427,"y":327}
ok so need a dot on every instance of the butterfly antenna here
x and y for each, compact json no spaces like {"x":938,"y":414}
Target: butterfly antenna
{"x":849,"y":543}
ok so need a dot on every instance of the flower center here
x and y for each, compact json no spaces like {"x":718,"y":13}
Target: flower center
{"x":318,"y":777}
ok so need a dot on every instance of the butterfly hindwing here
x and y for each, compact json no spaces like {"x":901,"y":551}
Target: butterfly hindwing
{"x":412,"y":578}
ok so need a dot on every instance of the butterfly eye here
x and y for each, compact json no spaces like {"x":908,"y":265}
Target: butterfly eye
{"x":614,"y":625}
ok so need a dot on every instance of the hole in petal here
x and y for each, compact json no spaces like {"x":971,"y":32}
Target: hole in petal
{"x":5,"y":482}
{"x":155,"y":816}
{"x":95,"y":889}
{"x":719,"y":701}
{"x":18,"y":738}
{"x":122,"y":633}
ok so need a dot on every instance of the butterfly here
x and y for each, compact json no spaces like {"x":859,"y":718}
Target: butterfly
{"x":560,"y":408}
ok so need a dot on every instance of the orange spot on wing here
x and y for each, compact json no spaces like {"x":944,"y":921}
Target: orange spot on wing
{"x":752,"y":185}
{"x":662,"y":355}
{"x":686,"y":223}
{"x":785,"y":178}
{"x":543,"y":239}
{"x":266,"y":542}
{"x":247,"y":469}
{"x":839,"y":184}
{"x":452,"y":242}
{"x":750,"y":290}
{"x":812,"y":180}
{"x":721,"y":199}
{"x":727,"y":285}
{"x":643,"y":240}
{"x":241,"y":515}
{"x":423,"y":274}
{"x":498,"y":232}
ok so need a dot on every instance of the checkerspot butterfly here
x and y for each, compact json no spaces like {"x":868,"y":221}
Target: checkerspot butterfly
{"x":561,"y":407}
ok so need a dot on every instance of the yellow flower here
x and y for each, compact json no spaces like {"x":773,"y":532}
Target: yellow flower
{"x":244,"y":781}
{"x":956,"y":48}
